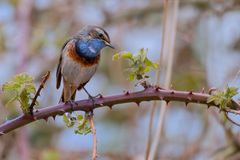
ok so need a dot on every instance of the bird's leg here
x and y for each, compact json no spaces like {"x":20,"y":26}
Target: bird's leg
{"x":90,"y":96}
{"x":98,"y":95}
{"x":70,"y":91}
{"x":70,"y":101}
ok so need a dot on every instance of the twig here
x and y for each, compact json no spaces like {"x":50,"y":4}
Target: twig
{"x":153,"y":93}
{"x":157,"y":82}
{"x":24,"y":13}
{"x":232,"y":121}
{"x":171,"y":9}
{"x":232,"y":110}
{"x":149,"y":138}
{"x":93,"y":129}
{"x":44,"y":79}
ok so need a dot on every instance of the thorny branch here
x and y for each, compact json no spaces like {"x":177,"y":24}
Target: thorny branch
{"x":152,"y":93}
{"x":44,"y":79}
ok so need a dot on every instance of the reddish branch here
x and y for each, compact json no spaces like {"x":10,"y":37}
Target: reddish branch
{"x":153,"y":93}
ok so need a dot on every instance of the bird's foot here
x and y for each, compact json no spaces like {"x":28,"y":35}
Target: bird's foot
{"x":71,"y":103}
{"x":98,"y":96}
{"x":92,"y":99}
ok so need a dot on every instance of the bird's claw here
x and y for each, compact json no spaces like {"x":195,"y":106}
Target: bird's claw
{"x":92,"y":99}
{"x":71,"y":103}
{"x":99,"y":95}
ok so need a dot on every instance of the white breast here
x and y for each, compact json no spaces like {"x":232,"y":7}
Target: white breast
{"x":75,"y":73}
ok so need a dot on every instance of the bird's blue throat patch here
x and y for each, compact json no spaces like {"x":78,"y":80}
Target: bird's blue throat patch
{"x":89,"y":49}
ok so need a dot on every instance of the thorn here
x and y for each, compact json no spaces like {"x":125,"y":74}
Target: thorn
{"x":46,"y":119}
{"x":100,"y":96}
{"x":172,"y":92}
{"x":212,"y":90}
{"x":127,"y":93}
{"x":203,"y":90}
{"x":54,"y":117}
{"x":189,"y":98}
{"x":138,"y":103}
{"x":190,"y":93}
{"x":61,"y":111}
{"x":101,"y":104}
{"x":157,"y":89}
{"x":110,"y":107}
{"x":162,"y":88}
{"x":1,"y":133}
{"x":167,"y":102}
{"x":36,"y":110}
{"x":208,"y":106}
{"x":186,"y":103}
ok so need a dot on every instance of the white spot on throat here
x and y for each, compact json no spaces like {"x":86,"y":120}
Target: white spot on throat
{"x":92,"y":49}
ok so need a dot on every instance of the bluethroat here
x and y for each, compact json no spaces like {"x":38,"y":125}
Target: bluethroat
{"x":80,"y":56}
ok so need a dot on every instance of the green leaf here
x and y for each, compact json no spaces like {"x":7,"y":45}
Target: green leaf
{"x":79,"y":117}
{"x":223,"y":98}
{"x":30,"y":88}
{"x":15,"y":97}
{"x":146,"y":69}
{"x":131,"y":77}
{"x":22,"y":88}
{"x":83,"y":126}
{"x":211,"y":98}
{"x":67,"y":119}
{"x":138,"y":64}
{"x":127,"y":55}
{"x":155,"y":65}
{"x":23,"y":78}
{"x":24,"y":100}
{"x":11,"y":86}
{"x":116,"y":56}
{"x":231,"y":91}
{"x":150,"y":63}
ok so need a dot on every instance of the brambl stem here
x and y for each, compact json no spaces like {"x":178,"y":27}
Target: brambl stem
{"x":149,"y":94}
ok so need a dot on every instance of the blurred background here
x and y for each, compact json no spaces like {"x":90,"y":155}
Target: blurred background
{"x":206,"y":54}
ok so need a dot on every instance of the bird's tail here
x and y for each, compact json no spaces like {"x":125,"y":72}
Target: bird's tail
{"x":64,"y":98}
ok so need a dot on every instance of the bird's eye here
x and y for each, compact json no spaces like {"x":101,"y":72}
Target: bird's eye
{"x":101,"y":36}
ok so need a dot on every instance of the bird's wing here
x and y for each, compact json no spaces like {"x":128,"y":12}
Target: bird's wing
{"x":59,"y":68}
{"x":58,"y":73}
{"x":82,"y":85}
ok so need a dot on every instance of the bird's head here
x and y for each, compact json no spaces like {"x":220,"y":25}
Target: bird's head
{"x":95,"y":32}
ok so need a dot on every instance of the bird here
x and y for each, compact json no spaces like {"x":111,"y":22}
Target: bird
{"x":79,"y":60}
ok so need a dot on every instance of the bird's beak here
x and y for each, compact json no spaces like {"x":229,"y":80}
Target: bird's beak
{"x":109,"y":45}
